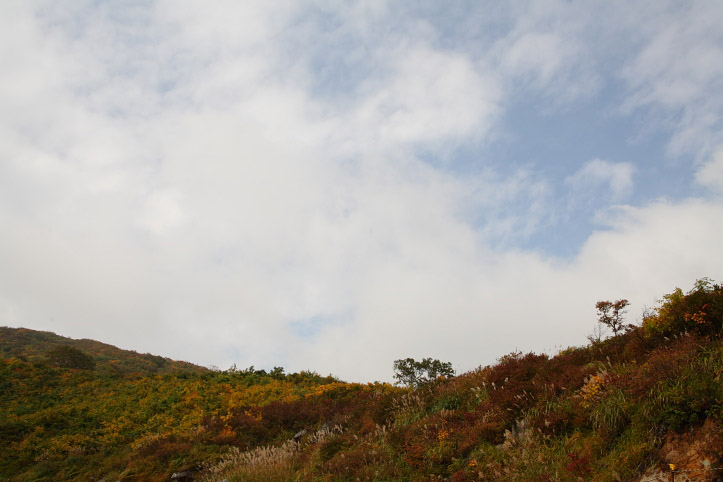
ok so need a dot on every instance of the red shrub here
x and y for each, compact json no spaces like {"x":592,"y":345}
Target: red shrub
{"x":578,"y":465}
{"x":414,"y":455}
{"x":511,"y":380}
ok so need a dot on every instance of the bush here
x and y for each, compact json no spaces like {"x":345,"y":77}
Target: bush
{"x":699,"y":311}
{"x":65,"y":356}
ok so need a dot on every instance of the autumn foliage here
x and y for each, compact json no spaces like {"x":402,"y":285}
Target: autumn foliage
{"x":597,"y":412}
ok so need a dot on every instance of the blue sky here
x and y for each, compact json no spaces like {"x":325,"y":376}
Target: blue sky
{"x":332,"y":186}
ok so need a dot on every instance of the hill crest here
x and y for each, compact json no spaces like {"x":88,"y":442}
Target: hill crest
{"x":34,"y":346}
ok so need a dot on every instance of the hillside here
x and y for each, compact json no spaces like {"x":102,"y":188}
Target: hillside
{"x":35,"y":346}
{"x":617,"y":409}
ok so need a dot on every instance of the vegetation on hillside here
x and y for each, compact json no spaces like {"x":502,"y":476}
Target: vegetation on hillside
{"x":40,"y":346}
{"x":61,"y":424}
{"x":607,"y":411}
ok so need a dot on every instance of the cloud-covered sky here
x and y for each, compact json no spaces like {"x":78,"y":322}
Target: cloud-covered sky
{"x":334,"y":185}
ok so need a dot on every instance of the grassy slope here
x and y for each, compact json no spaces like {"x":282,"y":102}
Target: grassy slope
{"x":595,"y":413}
{"x":63,"y":424}
{"x":600,"y":412}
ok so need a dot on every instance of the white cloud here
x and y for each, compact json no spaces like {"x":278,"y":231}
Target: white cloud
{"x":655,"y":245}
{"x":470,"y":306}
{"x":430,"y":96}
{"x":177,"y":186}
{"x":163,"y":213}
{"x":618,"y":177}
{"x":710,"y":174}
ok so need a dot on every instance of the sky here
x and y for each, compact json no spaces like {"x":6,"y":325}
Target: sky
{"x":331,"y":186}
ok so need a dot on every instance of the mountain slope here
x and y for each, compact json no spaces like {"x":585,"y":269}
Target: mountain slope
{"x":35,"y":346}
{"x":618,"y":409}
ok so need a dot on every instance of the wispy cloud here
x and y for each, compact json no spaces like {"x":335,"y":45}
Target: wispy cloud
{"x":617,"y":177}
{"x":676,"y":73}
{"x":710,"y":174}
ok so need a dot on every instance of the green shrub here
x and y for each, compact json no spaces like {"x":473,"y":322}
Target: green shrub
{"x":699,"y":311}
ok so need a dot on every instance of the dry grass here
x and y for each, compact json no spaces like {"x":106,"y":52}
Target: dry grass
{"x":266,"y":463}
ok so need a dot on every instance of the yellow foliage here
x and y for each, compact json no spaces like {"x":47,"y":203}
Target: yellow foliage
{"x":590,"y":392}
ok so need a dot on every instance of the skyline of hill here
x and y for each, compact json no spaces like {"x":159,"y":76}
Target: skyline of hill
{"x":34,"y":346}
